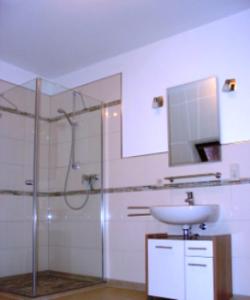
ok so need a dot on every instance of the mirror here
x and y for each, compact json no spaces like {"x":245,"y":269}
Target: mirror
{"x":193,"y":123}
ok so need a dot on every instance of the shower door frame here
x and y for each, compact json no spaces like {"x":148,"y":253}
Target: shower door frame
{"x":35,"y":187}
{"x":102,"y":211}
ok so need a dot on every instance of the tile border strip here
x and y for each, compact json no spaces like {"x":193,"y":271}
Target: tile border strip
{"x":129,"y":189}
{"x":58,"y":118}
{"x":211,"y":183}
{"x":86,"y":110}
{"x":20,"y":113}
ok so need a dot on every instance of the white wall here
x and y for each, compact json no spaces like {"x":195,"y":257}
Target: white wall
{"x":125,"y":248}
{"x":14,"y":74}
{"x":221,"y":48}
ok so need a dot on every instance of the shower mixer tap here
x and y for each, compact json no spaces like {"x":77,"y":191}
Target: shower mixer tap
{"x":90,"y":179}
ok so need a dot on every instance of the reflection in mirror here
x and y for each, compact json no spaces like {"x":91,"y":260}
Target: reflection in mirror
{"x":193,"y":122}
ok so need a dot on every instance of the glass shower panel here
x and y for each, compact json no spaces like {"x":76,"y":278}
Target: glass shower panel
{"x":16,"y":171}
{"x":73,"y":149}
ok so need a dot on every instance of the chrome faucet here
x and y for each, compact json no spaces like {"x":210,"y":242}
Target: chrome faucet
{"x":90,"y":179}
{"x":190,"y":198}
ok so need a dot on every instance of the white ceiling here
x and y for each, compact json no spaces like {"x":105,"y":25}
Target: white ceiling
{"x":55,"y":37}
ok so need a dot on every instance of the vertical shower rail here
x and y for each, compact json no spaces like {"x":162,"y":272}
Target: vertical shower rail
{"x":35,"y":187}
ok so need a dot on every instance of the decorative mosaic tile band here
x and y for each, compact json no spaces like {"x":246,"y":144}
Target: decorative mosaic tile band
{"x":77,"y":113}
{"x":70,"y":193}
{"x":128,"y":189}
{"x":15,"y":193}
{"x":210,"y":183}
{"x":21,"y":113}
{"x":49,"y":194}
{"x":86,"y":110}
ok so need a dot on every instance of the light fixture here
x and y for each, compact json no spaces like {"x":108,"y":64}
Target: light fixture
{"x":157,"y":102}
{"x":229,"y":85}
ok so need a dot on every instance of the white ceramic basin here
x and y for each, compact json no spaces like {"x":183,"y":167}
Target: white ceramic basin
{"x":185,"y":214}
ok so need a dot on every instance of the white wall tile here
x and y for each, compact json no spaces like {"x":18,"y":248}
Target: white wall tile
{"x":112,"y":146}
{"x":75,"y":260}
{"x":29,"y":129}
{"x":11,"y":176}
{"x":43,"y":255}
{"x":241,"y":202}
{"x":112,"y":119}
{"x":85,"y":261}
{"x":127,"y":235}
{"x":127,"y":265}
{"x":241,"y":273}
{"x":60,"y":132}
{"x":15,"y":208}
{"x":12,"y":126}
{"x":15,"y":261}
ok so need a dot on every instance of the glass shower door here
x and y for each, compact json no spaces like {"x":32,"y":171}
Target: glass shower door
{"x":70,"y":213}
{"x":16,"y":173}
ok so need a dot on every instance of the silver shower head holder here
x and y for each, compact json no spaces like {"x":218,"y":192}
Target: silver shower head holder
{"x":62,"y":111}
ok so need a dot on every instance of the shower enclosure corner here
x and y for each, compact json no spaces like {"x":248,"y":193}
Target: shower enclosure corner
{"x":51,"y":189}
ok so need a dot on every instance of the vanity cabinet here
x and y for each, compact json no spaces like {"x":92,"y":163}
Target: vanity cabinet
{"x":188,"y":269}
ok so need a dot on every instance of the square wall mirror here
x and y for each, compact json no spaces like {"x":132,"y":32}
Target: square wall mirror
{"x":193,"y":123}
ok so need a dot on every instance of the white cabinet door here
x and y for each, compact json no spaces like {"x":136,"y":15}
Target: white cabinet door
{"x":199,"y":278}
{"x":166,"y":269}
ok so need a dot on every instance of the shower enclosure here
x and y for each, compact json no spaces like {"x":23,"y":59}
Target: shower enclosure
{"x":51,"y":216}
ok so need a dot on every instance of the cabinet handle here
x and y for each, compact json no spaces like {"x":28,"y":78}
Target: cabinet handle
{"x":164,"y":247}
{"x":197,"y":265}
{"x":197,"y":248}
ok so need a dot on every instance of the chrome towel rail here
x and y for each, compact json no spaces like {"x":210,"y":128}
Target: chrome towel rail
{"x":138,"y":214}
{"x":138,"y":207}
{"x":217,"y":175}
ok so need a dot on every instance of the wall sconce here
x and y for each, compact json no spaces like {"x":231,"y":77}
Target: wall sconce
{"x":229,"y":85}
{"x":158,"y":102}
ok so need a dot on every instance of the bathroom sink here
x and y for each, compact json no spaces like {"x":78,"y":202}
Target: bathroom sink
{"x":185,"y":214}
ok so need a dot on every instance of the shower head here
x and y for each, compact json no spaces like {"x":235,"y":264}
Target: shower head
{"x":62,"y":111}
